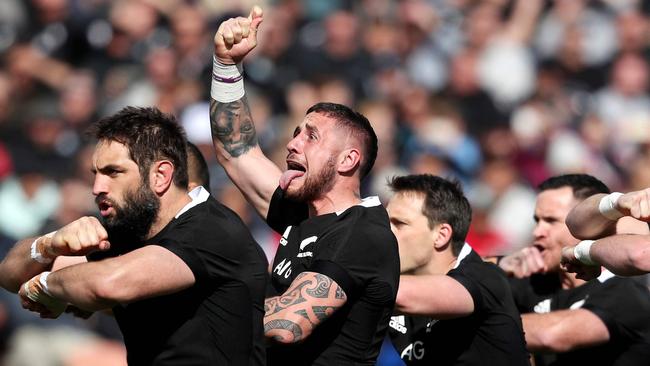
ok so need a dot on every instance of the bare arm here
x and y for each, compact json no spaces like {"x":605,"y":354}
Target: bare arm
{"x":623,"y":254}
{"x":311,"y":299}
{"x":234,"y":138}
{"x":18,"y":266}
{"x":420,"y":295}
{"x":586,"y":222}
{"x":143,"y":273}
{"x":78,"y":238}
{"x":563,"y":330}
{"x":233,"y":130}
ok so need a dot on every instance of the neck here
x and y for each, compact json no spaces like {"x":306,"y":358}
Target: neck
{"x":336,"y":200}
{"x":172,"y":201}
{"x":440,"y":264}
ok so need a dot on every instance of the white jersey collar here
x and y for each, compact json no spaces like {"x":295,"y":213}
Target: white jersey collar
{"x":464,"y":252}
{"x":198,"y":195}
{"x":371,"y":201}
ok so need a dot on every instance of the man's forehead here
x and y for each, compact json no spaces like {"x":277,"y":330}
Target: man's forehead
{"x":109,"y":151}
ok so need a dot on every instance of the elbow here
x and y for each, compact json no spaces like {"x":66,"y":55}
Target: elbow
{"x":639,"y":258}
{"x":109,"y":290}
{"x":289,"y":330}
{"x":552,"y":341}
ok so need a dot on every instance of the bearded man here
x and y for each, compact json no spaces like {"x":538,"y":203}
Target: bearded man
{"x":183,"y":275}
{"x":336,"y":272}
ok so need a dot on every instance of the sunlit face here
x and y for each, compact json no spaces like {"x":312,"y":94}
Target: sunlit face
{"x":126,"y":203}
{"x":411,"y":228}
{"x":551,"y":233}
{"x":312,"y":159}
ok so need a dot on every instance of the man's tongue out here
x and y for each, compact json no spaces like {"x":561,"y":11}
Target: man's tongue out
{"x":288,"y":176}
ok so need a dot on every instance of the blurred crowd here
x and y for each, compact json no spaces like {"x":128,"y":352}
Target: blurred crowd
{"x":500,"y":94}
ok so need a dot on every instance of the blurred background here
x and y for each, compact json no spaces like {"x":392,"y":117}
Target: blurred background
{"x":500,"y":94}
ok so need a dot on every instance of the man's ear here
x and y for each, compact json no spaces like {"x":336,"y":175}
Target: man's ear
{"x":349,"y":159}
{"x":162,"y":173}
{"x":444,"y":236}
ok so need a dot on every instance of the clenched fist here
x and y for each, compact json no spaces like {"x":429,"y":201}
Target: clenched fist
{"x":78,"y":238}
{"x":236,"y":37}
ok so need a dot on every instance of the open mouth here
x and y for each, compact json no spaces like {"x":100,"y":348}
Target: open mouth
{"x":539,"y":247}
{"x":293,"y":165}
{"x":104,"y":207}
{"x":294,"y":170}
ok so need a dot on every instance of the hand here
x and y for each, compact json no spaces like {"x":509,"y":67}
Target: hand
{"x":34,"y":298}
{"x":78,"y":238}
{"x":635,"y":204}
{"x":523,"y":263}
{"x":236,"y":37}
{"x":573,"y":265}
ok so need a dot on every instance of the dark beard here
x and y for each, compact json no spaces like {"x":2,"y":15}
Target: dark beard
{"x":315,"y":187}
{"x":128,"y":229}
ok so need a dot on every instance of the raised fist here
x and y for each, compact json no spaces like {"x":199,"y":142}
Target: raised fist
{"x":236,"y":37}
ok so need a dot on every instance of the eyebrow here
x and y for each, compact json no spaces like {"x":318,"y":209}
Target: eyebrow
{"x":308,"y":127}
{"x":105,"y":168}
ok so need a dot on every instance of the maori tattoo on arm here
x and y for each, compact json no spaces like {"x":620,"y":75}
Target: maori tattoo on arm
{"x":232,"y":126}
{"x":310,"y":300}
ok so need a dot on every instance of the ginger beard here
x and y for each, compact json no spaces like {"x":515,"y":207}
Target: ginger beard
{"x":313,"y":186}
{"x":132,"y":220}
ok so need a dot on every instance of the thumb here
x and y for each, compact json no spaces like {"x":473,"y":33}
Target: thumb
{"x":104,"y":245}
{"x":256,"y":17}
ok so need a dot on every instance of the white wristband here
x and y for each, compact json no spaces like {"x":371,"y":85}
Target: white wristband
{"x":37,"y":255}
{"x":581,"y":252}
{"x":607,"y":206}
{"x":43,"y":281}
{"x":227,"y":82}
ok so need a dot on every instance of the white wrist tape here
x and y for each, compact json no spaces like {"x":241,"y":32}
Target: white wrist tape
{"x":36,"y":255}
{"x":581,"y":252}
{"x":607,"y":206}
{"x":43,"y":296}
{"x":227,"y":82}
{"x":43,"y":281}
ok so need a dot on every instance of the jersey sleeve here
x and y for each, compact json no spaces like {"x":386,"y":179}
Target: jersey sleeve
{"x":214,"y":245}
{"x":362,"y":254}
{"x":466,"y":276}
{"x":623,"y":305}
{"x":284,"y":212}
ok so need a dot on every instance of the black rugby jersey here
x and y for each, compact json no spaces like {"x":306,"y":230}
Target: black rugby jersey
{"x":217,"y":321}
{"x":357,"y":250}
{"x":491,"y":335}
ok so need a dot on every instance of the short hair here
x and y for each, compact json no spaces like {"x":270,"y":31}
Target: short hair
{"x":359,"y":127}
{"x":197,"y":167}
{"x":149,"y":135}
{"x":582,"y":185}
{"x":444,"y":202}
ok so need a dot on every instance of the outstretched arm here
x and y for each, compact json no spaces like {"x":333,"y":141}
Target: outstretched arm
{"x":602,"y":215}
{"x":420,"y":295}
{"x":563,"y":330}
{"x":233,"y":130}
{"x":143,"y":273}
{"x":32,"y":256}
{"x":623,"y":254}
{"x":292,"y":316}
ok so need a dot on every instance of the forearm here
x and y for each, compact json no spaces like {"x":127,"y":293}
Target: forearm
{"x":586,"y":222}
{"x":563,"y":330}
{"x":83,"y":285}
{"x":420,"y":295}
{"x":624,"y":254}
{"x":310,"y":300}
{"x":18,"y":266}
